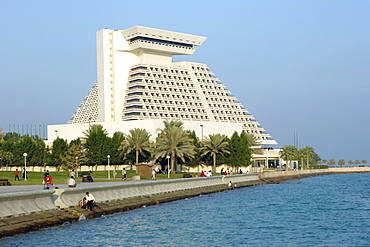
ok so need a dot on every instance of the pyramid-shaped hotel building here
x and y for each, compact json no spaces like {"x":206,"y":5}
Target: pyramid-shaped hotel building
{"x":139,"y":86}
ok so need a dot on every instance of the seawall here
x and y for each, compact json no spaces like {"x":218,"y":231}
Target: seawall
{"x":22,"y":212}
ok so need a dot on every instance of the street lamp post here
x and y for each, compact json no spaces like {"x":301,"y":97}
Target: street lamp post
{"x":76,"y":167}
{"x":56,"y":133}
{"x":108,"y":156}
{"x":168,"y":165}
{"x":25,"y":166}
{"x":202,"y":131}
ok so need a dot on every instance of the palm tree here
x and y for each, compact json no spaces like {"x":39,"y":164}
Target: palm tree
{"x":341,"y":162}
{"x":252,"y":142}
{"x":357,"y":162}
{"x":301,"y":155}
{"x":214,"y":144}
{"x":137,"y":140}
{"x":288,"y":153}
{"x":308,"y":153}
{"x":332,"y":162}
{"x":350,"y":163}
{"x":175,"y":142}
{"x":364,"y":161}
{"x":94,"y":129}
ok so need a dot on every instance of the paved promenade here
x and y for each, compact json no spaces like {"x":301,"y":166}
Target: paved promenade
{"x":23,"y":188}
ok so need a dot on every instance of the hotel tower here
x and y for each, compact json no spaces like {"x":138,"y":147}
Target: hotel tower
{"x":139,"y":86}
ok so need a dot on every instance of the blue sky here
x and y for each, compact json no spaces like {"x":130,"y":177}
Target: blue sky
{"x":295,"y":65}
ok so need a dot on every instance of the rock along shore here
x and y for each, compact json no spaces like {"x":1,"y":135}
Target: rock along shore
{"x":22,"y":212}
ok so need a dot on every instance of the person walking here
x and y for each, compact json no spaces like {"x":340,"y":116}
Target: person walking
{"x":90,"y":199}
{"x":24,"y":175}
{"x":124,"y":173}
{"x":153,"y":175}
{"x":16,"y":175}
{"x":72,"y":173}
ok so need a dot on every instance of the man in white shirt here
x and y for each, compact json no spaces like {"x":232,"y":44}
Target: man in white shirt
{"x":72,"y":182}
{"x":90,"y":201}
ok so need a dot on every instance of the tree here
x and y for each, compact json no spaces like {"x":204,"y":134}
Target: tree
{"x":308,"y":152}
{"x":301,"y":156}
{"x":357,"y":162}
{"x":174,"y":141}
{"x":320,"y":162}
{"x":198,"y":159}
{"x":241,"y":148}
{"x":364,"y":161}
{"x":288,"y":153}
{"x":6,"y":158}
{"x":75,"y":156}
{"x":252,"y":142}
{"x":137,"y":140}
{"x":1,"y":134}
{"x":114,"y":148}
{"x":58,"y":150}
{"x":350,"y":163}
{"x":97,"y":144}
{"x":12,"y":136}
{"x":341,"y":162}
{"x":39,"y":151}
{"x":215,"y":144}
{"x":238,"y":153}
{"x":332,"y":162}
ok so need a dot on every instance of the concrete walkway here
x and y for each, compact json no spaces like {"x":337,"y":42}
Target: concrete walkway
{"x":22,"y":188}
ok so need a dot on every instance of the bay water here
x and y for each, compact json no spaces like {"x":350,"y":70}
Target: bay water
{"x":332,"y":210}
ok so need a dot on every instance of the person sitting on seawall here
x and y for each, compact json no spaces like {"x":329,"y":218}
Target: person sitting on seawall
{"x":72,"y":182}
{"x":46,"y":173}
{"x":202,"y":174}
{"x":90,"y":201}
{"x":82,"y":203}
{"x":230,"y":184}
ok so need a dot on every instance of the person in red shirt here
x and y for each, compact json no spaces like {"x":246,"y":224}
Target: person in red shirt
{"x":16,"y":175}
{"x":48,"y":181}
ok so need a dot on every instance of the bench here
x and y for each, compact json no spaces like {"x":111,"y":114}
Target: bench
{"x":82,"y":174}
{"x":5,"y":182}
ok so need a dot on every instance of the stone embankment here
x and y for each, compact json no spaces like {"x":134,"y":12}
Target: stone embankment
{"x":22,"y":212}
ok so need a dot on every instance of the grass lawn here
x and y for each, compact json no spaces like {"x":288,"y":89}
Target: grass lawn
{"x":35,"y":178}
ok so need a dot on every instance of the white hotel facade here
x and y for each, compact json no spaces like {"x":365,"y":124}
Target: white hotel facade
{"x":138,"y":86}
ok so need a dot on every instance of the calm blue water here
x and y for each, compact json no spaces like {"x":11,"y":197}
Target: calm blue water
{"x":329,"y":210}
